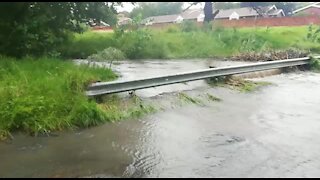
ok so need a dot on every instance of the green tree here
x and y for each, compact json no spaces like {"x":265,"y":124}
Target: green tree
{"x":156,"y":9}
{"x":209,"y":15}
{"x":37,"y":28}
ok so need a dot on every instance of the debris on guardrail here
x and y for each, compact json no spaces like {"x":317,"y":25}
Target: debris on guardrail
{"x":271,"y":55}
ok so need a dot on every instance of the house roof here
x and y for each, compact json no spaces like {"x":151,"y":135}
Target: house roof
{"x":162,"y":19}
{"x":249,"y":11}
{"x":276,"y":12}
{"x":124,"y":20}
{"x":192,"y":13}
{"x":316,"y":5}
{"x":125,"y":13}
{"x":242,"y":12}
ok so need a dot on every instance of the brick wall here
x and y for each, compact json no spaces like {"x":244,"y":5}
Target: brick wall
{"x":276,"y":21}
{"x":97,"y":28}
{"x":249,"y":22}
{"x":312,"y":11}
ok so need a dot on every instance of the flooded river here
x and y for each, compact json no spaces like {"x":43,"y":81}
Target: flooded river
{"x":272,"y":132}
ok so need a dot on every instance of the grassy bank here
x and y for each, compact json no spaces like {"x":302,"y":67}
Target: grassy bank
{"x":43,"y":95}
{"x":175,"y":42}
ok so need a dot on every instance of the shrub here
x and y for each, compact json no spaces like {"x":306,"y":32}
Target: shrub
{"x":315,"y":64}
{"x":140,"y":44}
{"x":188,"y":26}
{"x":173,"y":29}
{"x":85,"y":44}
{"x":108,"y":54}
{"x":313,"y":35}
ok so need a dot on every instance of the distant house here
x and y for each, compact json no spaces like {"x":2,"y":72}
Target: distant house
{"x":124,"y":14}
{"x":248,"y":12}
{"x":123,"y":18}
{"x":312,"y":9}
{"x":193,"y":15}
{"x":176,"y":18}
{"x":102,"y":26}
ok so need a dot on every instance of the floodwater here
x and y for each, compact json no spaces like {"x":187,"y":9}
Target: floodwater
{"x":133,"y":70}
{"x":271,"y":132}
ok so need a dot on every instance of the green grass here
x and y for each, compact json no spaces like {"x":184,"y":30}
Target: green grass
{"x":83,"y":45}
{"x":117,"y":109}
{"x":43,"y":95}
{"x":175,"y":43}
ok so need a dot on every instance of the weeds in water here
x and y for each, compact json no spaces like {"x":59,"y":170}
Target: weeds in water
{"x":186,"y":98}
{"x":245,"y":85}
{"x":236,"y":83}
{"x":213,"y":98}
{"x":123,"y":108}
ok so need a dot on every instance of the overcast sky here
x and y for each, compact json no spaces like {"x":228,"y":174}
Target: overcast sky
{"x":127,"y":6}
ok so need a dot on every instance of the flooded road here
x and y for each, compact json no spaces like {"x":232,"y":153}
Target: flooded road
{"x":271,"y":132}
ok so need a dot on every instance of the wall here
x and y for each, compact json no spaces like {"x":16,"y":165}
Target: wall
{"x":161,"y":25}
{"x":253,"y":22}
{"x":101,"y":28}
{"x":311,"y":11}
{"x":276,"y":21}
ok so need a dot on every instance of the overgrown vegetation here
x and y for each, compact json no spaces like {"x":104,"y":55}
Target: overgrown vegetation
{"x":315,"y":64}
{"x":43,"y":95}
{"x":313,"y":34}
{"x":245,"y":85}
{"x":188,"y":99}
{"x":189,"y":41}
{"x":239,"y":84}
{"x":123,"y":108}
{"x":213,"y":98}
{"x":271,"y":55}
{"x":188,"y":26}
{"x":108,"y":54}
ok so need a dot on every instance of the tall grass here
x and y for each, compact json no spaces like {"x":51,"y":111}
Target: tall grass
{"x":83,"y":45}
{"x":47,"y":94}
{"x":192,"y":42}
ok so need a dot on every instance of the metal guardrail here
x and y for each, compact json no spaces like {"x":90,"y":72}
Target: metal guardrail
{"x":122,"y":86}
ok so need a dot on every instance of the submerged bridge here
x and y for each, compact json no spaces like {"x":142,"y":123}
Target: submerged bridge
{"x":102,"y":88}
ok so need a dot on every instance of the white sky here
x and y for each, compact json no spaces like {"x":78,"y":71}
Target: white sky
{"x":127,"y":6}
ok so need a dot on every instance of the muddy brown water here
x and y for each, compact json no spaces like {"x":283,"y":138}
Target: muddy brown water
{"x":271,"y":132}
